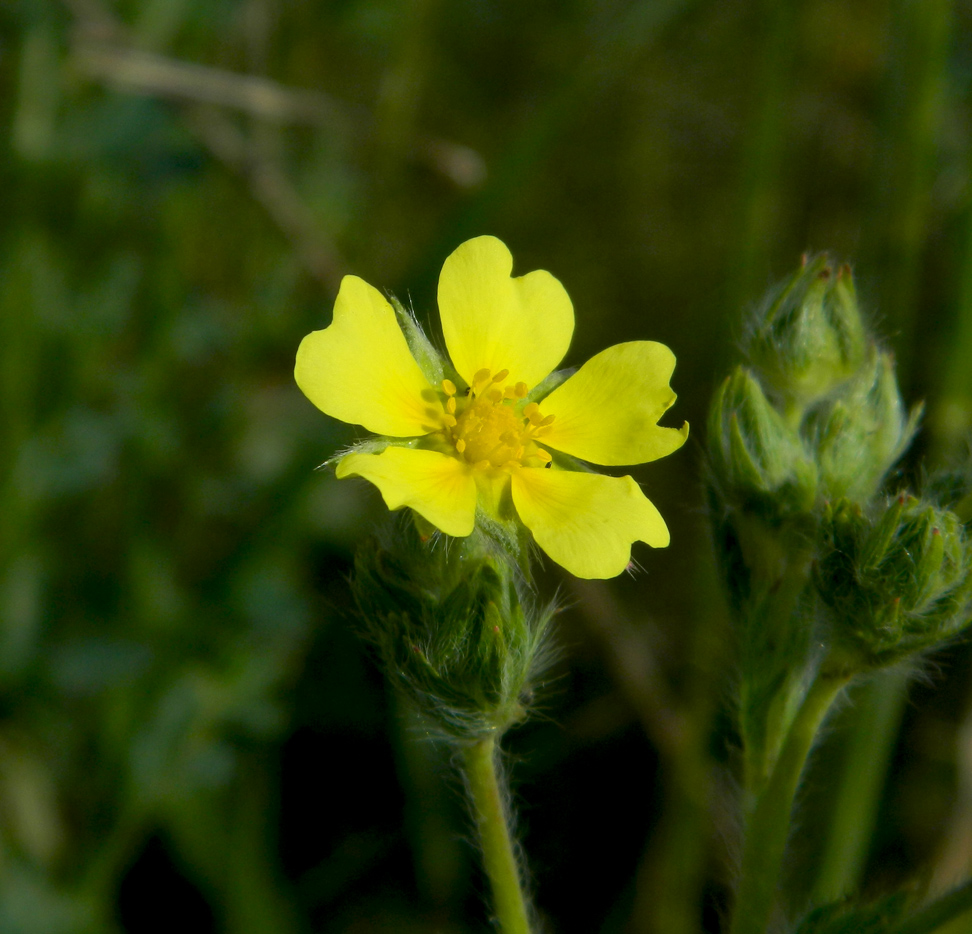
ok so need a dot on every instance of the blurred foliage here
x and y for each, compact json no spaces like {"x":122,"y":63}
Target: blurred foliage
{"x":189,"y":730}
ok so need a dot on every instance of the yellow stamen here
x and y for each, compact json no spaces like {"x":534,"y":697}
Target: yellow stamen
{"x":544,"y":455}
{"x":448,"y":387}
{"x":488,"y":431}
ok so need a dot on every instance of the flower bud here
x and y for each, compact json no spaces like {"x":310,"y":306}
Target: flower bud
{"x":762,"y":488}
{"x":896,"y":581}
{"x":808,"y":337}
{"x":450,"y":629}
{"x":862,"y":431}
{"x":757,"y":460}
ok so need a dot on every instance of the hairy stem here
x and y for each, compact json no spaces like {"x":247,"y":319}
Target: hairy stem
{"x":491,"y":815}
{"x":768,"y":822}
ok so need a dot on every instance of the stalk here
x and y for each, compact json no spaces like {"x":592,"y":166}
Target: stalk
{"x":769,"y":821}
{"x":492,"y":824}
{"x":877,"y":716}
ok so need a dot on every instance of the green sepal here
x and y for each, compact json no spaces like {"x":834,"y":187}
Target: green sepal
{"x":543,"y":389}
{"x":454,"y":627}
{"x":860,"y":433}
{"x":876,"y":545}
{"x":808,"y":336}
{"x":429,"y":359}
{"x":757,"y":460}
{"x":372,"y":446}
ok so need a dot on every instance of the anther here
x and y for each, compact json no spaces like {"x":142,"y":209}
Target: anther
{"x":544,"y":455}
{"x":547,"y":421}
{"x":460,"y":445}
{"x":521,"y":389}
{"x":448,"y":387}
{"x":499,"y":377}
{"x":449,"y":420}
{"x":482,"y":376}
{"x":451,"y":405}
{"x":495,"y":395}
{"x":531,"y":410}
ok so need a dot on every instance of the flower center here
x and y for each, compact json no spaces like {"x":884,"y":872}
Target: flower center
{"x":489,"y":428}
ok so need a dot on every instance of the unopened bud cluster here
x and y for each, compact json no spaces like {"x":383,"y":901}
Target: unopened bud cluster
{"x":897,"y":579}
{"x":452,"y":630}
{"x":801,"y":442}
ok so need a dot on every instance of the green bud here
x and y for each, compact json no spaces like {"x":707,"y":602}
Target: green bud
{"x":451,"y":629}
{"x":762,"y":489}
{"x":896,"y":581}
{"x":808,"y":337}
{"x":862,"y":431}
{"x":758,"y":462}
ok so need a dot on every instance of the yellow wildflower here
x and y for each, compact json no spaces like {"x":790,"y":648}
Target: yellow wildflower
{"x":481,"y":439}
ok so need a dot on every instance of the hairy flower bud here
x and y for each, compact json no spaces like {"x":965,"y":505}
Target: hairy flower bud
{"x":757,"y":460}
{"x":862,"y":431}
{"x":896,"y":581}
{"x":451,"y":629}
{"x":808,"y":337}
{"x":762,"y":490}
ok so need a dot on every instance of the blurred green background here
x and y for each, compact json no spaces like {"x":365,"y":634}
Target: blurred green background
{"x":190,"y":731}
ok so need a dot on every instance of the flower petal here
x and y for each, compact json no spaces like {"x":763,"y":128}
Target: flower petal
{"x":586,"y":522}
{"x":494,"y":322}
{"x":438,"y":487}
{"x":606,"y":413}
{"x":359,"y":368}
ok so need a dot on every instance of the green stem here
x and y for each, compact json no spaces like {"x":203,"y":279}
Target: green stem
{"x":769,"y":821}
{"x":770,"y":643}
{"x":947,"y":908}
{"x":490,"y":812}
{"x":876,"y":718}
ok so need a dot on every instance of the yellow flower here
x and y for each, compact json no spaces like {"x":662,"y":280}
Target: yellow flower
{"x":482,"y":439}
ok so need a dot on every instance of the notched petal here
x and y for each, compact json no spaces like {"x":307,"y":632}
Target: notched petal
{"x":607,"y":412}
{"x":359,"y":368}
{"x":586,"y":522}
{"x":439,"y":488}
{"x":494,"y":322}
